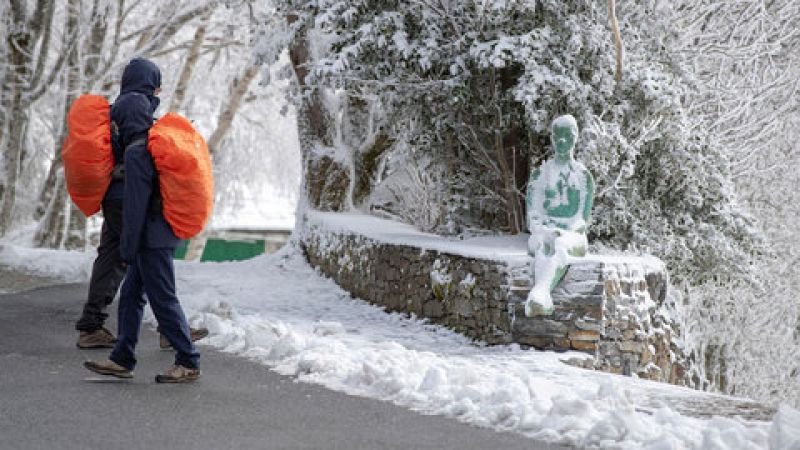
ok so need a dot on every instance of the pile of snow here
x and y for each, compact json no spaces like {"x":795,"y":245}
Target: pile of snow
{"x":785,"y":432}
{"x":67,"y":266}
{"x":278,"y":311}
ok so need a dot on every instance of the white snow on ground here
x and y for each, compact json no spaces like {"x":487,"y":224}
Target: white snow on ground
{"x":68,"y":266}
{"x":278,"y":311}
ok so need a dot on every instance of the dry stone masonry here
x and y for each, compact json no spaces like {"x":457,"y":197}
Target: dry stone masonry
{"x":608,"y":307}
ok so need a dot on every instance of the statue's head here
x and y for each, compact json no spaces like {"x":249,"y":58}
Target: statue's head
{"x":563,"y":134}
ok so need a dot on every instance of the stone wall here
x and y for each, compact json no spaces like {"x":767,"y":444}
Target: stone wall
{"x":608,"y":307}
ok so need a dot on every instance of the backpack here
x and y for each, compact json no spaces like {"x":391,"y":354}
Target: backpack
{"x":88,"y":159}
{"x":184,"y":174}
{"x":179,"y":153}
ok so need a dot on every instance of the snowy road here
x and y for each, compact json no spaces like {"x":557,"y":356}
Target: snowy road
{"x":279,"y":312}
{"x":44,"y":402}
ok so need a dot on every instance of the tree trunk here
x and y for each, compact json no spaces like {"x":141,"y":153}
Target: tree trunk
{"x":326,"y":181}
{"x":21,"y":44}
{"x":366,"y":165}
{"x":49,"y":186}
{"x":75,"y":233}
{"x":238,"y":90}
{"x":52,"y":231}
{"x":49,"y":232}
{"x":17,"y":127}
{"x":612,"y":12}
{"x":188,"y":67}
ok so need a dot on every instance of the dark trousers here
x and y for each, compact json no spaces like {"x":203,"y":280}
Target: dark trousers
{"x":152,"y":273}
{"x":107,"y":272}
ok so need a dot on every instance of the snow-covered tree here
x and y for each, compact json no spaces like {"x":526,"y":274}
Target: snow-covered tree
{"x":473,"y":86}
{"x":205,"y":51}
{"x":743,"y":59}
{"x":463,"y":91}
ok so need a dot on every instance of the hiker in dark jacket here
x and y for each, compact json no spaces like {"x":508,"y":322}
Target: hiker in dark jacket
{"x":147,"y":242}
{"x":142,"y":78}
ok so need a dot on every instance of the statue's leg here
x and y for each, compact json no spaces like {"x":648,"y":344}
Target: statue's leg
{"x":549,"y":268}
{"x":560,"y":272}
{"x":544,"y":267}
{"x":535,"y":243}
{"x":539,"y":302}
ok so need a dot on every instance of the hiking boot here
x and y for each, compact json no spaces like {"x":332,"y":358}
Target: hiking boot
{"x":195,"y":333}
{"x":99,"y":338}
{"x":108,"y":367}
{"x":178,"y":374}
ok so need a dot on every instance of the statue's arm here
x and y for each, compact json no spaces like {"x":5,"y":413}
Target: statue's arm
{"x":530,"y":199}
{"x":589,"y":198}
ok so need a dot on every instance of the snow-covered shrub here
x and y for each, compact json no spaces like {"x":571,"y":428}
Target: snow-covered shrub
{"x":413,"y":193}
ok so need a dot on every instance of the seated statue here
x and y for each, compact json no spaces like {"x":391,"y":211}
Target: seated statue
{"x":558,"y":202}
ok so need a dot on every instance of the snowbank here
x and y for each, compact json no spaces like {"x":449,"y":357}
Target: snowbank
{"x":785,"y":431}
{"x":67,"y":266}
{"x":278,"y":311}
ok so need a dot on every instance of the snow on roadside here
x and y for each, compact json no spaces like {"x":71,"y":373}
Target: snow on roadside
{"x":278,"y":311}
{"x":67,"y":266}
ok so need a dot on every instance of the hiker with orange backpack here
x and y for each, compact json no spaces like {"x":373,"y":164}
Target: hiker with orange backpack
{"x":95,"y":185}
{"x":108,"y":269}
{"x":136,"y":238}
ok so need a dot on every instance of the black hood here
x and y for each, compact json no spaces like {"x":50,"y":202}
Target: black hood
{"x":140,"y":75}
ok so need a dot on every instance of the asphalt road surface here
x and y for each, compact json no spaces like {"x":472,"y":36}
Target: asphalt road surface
{"x":45,"y":402}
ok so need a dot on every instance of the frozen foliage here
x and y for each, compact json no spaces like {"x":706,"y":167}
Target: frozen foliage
{"x":257,"y":163}
{"x":413,"y":192}
{"x":474,"y":85}
{"x":743,"y":60}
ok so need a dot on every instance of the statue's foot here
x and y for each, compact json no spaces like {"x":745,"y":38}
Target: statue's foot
{"x":533,"y":309}
{"x":538,"y":305}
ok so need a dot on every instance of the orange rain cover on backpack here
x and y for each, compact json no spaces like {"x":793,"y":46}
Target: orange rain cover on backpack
{"x":88,"y":159}
{"x":184,"y":172}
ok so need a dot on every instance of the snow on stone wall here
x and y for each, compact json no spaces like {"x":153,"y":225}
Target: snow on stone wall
{"x":609,"y":307}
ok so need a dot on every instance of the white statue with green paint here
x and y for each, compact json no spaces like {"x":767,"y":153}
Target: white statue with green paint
{"x":559,"y":202}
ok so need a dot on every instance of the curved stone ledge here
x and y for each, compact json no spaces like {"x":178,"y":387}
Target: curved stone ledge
{"x":610,"y":307}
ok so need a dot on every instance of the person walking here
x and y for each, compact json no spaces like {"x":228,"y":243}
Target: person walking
{"x":109,"y":269}
{"x":147,"y":242}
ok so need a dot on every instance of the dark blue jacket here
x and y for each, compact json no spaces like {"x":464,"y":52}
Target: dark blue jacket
{"x":143,"y":226}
